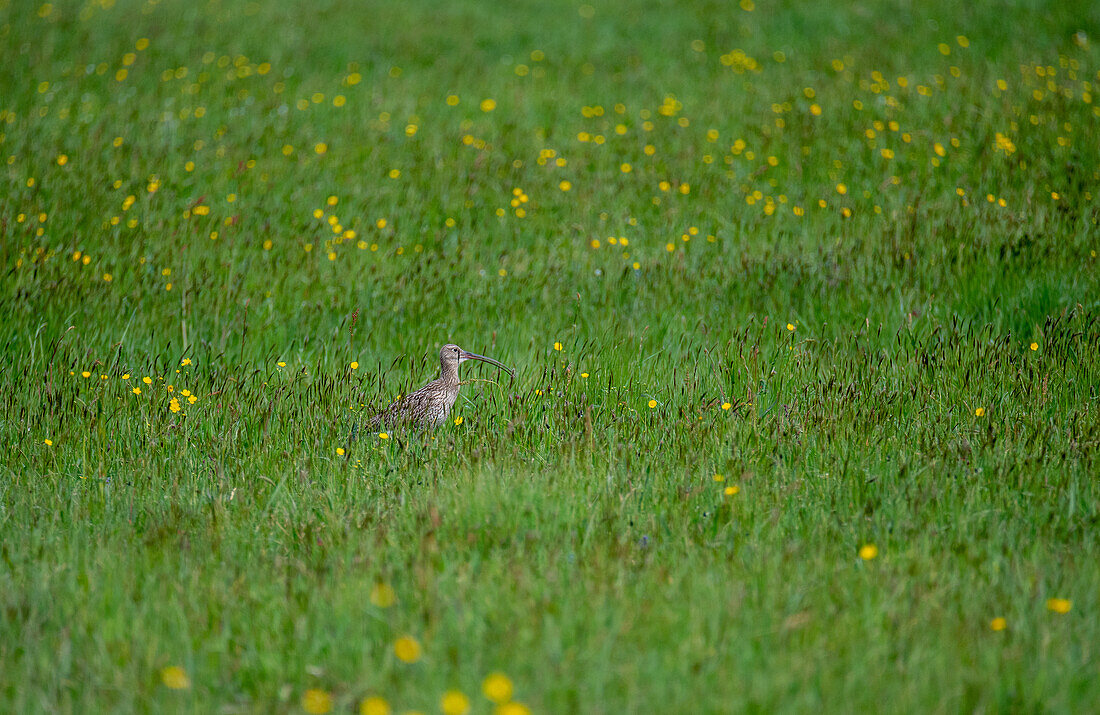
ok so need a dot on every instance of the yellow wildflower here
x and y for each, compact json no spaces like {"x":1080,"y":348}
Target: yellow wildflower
{"x":175,"y":678}
{"x":497,"y":687}
{"x":374,"y":705}
{"x":512,"y":709}
{"x":1059,"y":605}
{"x":407,"y":649}
{"x":454,"y":702}
{"x":383,"y":595}
{"x":316,"y":702}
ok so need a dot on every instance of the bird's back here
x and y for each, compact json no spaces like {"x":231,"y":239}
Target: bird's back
{"x":427,"y":407}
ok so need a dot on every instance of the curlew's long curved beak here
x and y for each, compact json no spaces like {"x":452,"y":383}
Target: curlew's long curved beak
{"x":464,"y":355}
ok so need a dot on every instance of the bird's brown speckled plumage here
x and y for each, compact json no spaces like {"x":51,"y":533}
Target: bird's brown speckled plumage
{"x":430,"y":405}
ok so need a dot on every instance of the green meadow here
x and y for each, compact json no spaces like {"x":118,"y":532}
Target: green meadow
{"x":804,"y":306}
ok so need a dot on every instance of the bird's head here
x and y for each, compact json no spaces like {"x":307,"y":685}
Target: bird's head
{"x":452,"y":354}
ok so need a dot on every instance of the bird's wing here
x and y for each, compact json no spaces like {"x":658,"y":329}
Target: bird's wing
{"x":409,"y":408}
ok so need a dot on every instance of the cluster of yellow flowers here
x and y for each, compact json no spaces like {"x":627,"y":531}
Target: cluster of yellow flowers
{"x":176,"y":398}
{"x":496,"y":687}
{"x":755,"y":168}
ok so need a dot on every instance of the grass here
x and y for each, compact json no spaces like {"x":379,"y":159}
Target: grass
{"x":782,"y":282}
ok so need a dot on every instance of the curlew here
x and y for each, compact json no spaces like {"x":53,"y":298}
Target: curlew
{"x":430,"y":405}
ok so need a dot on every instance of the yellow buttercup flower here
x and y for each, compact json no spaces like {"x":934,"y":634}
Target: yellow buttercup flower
{"x":868,"y":552}
{"x":407,"y":649}
{"x":1059,"y":605}
{"x":383,"y":595}
{"x":374,"y":705}
{"x":316,"y":702}
{"x":454,"y":702}
{"x":175,"y":678}
{"x":512,"y":709}
{"x":497,"y":687}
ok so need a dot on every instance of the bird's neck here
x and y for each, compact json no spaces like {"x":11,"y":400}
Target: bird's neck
{"x":449,"y":373}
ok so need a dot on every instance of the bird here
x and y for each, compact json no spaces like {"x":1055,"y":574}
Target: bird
{"x":430,"y":406}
